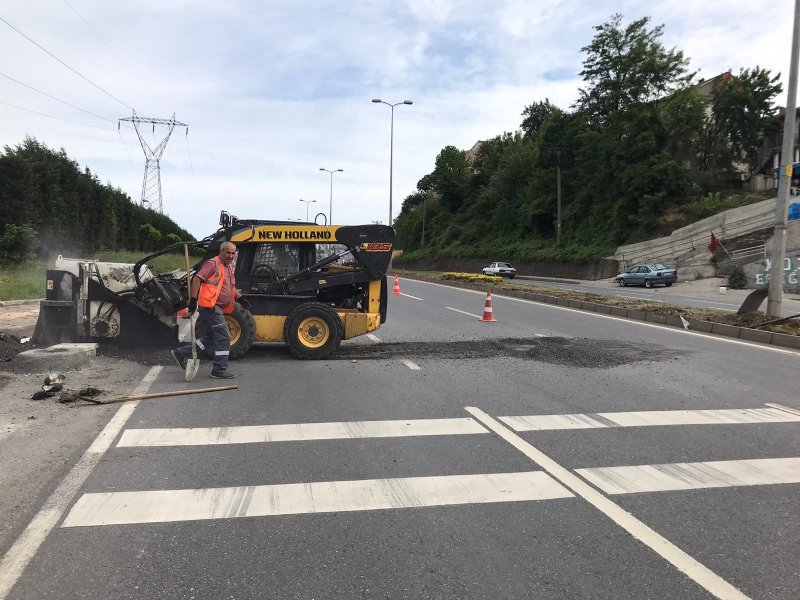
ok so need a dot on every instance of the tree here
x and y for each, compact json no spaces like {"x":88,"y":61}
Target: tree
{"x":535,"y":115}
{"x":742,"y":107}
{"x":450,"y":177}
{"x":628,"y":66}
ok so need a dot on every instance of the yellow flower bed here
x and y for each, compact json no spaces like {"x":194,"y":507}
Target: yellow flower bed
{"x":473,"y":277}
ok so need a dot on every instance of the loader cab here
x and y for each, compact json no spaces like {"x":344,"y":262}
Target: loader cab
{"x":259,"y":264}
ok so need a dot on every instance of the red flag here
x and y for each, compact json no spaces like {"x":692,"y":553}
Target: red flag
{"x":714,"y":243}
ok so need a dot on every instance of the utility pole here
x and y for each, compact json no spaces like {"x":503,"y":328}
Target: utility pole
{"x":151,"y":185}
{"x":775,"y":291}
{"x":424,"y":202}
{"x":558,"y":195}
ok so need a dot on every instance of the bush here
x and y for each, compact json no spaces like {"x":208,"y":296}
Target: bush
{"x":17,"y":244}
{"x":737,"y":280}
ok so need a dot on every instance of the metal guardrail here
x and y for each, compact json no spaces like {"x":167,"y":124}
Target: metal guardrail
{"x":752,"y":252}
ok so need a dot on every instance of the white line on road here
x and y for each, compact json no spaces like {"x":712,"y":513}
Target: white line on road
{"x":296,"y":432}
{"x":116,"y":508}
{"x":374,"y":338}
{"x":788,"y":409}
{"x":410,"y":296}
{"x":27,"y":544}
{"x":651,"y":418}
{"x":693,"y":569}
{"x":693,"y":476}
{"x":463,"y":312}
{"x":410,"y":364}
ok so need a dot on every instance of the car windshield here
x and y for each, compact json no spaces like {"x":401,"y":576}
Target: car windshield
{"x":659,"y":266}
{"x":506,"y":265}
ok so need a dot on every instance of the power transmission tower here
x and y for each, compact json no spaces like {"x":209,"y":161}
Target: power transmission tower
{"x":151,"y":185}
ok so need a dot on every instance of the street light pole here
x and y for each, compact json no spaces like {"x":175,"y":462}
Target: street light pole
{"x":307,"y":202}
{"x":391,"y":147}
{"x":775,"y":290}
{"x":330,"y":201}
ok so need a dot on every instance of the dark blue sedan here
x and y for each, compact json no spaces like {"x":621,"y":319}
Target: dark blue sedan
{"x":648,"y":276}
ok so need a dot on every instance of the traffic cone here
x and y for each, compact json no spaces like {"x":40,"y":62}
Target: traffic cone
{"x":396,"y":289}
{"x":488,"y":315}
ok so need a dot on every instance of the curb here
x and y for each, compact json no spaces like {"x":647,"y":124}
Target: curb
{"x":733,"y":331}
{"x":19,"y":302}
{"x":550,"y":279}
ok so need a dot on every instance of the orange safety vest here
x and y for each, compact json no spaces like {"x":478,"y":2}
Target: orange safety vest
{"x":211,"y":288}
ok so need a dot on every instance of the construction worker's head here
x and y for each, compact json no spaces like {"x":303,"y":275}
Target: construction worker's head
{"x":227,"y":252}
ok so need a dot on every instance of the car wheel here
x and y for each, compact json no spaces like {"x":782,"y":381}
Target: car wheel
{"x":511,"y":276}
{"x":669,"y":283}
{"x":648,"y":283}
{"x":621,"y":282}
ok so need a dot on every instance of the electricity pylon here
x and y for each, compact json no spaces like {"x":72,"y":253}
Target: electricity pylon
{"x":151,"y":185}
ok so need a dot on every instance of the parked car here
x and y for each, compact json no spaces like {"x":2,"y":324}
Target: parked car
{"x":648,"y":276}
{"x":503,"y":269}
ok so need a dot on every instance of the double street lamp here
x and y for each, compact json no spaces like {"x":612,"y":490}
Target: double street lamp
{"x":391,"y":147}
{"x":307,"y":202}
{"x":330,"y":202}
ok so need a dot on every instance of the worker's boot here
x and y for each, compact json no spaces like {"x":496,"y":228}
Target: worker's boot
{"x":216,"y":374}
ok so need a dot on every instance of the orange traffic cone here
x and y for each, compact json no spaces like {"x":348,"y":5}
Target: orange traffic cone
{"x":488,"y":315}
{"x":396,"y":289}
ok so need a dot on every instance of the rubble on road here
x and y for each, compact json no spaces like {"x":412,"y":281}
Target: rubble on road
{"x":10,"y":346}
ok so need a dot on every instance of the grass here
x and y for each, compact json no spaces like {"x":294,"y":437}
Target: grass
{"x":27,"y":281}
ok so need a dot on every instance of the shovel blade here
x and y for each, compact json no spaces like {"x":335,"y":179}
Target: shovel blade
{"x":192,"y":366}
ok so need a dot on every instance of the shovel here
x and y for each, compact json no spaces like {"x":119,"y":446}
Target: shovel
{"x":192,"y":364}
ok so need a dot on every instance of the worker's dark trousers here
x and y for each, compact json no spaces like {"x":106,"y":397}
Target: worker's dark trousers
{"x":216,"y":336}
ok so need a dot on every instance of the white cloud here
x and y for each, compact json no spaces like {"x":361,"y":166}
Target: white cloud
{"x":272,"y":91}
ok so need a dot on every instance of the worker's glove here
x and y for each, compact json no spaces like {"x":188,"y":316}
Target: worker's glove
{"x":192,"y":305}
{"x":245,"y":303}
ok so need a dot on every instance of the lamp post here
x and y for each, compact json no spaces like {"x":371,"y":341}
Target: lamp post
{"x":391,"y":147}
{"x":330,"y":202}
{"x":307,"y":202}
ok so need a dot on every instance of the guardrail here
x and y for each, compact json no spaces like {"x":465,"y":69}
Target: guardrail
{"x":752,"y":252}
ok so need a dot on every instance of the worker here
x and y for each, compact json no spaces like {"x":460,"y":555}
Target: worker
{"x":213,"y":292}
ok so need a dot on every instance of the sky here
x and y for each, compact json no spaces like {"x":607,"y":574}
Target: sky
{"x":273,"y":91}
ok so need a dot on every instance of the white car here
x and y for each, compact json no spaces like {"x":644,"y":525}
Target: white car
{"x":503,"y":269}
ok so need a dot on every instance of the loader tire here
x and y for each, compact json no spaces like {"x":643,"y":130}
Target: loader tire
{"x":242,"y":329}
{"x":313,"y":331}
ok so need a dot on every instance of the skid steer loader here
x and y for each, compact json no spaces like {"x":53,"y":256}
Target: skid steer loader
{"x":309,"y":286}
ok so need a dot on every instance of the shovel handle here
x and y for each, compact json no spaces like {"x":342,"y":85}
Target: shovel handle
{"x":189,"y":298}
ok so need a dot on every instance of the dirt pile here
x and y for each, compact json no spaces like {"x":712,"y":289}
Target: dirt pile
{"x":10,"y":346}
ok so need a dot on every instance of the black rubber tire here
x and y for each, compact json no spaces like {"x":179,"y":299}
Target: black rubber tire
{"x":668,"y":284}
{"x":648,"y":284}
{"x":293,"y":331}
{"x":621,"y":282}
{"x":511,"y":276}
{"x":239,"y":320}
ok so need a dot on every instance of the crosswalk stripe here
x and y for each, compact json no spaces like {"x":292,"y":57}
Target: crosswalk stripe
{"x":693,"y":476}
{"x":650,"y":418}
{"x":117,"y":508}
{"x":251,"y":434}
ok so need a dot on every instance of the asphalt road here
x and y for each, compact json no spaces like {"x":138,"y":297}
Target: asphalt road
{"x":552,"y":454}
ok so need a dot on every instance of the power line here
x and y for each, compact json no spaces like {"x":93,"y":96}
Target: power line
{"x":65,"y":64}
{"x":119,"y":58}
{"x":30,"y":87}
{"x":53,"y":117}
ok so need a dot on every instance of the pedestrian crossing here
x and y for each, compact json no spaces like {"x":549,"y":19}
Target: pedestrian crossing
{"x":129,"y":507}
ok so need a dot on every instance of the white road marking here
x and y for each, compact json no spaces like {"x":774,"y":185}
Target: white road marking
{"x":651,"y":418}
{"x":624,"y":320}
{"x":788,"y":409}
{"x":27,"y":544}
{"x":410,"y":364}
{"x":117,"y":508}
{"x":374,"y":338}
{"x":693,"y":476}
{"x":296,"y":432}
{"x":410,"y":296}
{"x":463,"y":312}
{"x":693,"y":569}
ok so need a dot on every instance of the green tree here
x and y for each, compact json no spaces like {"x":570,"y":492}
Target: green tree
{"x":450,"y":177}
{"x":628,"y":66}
